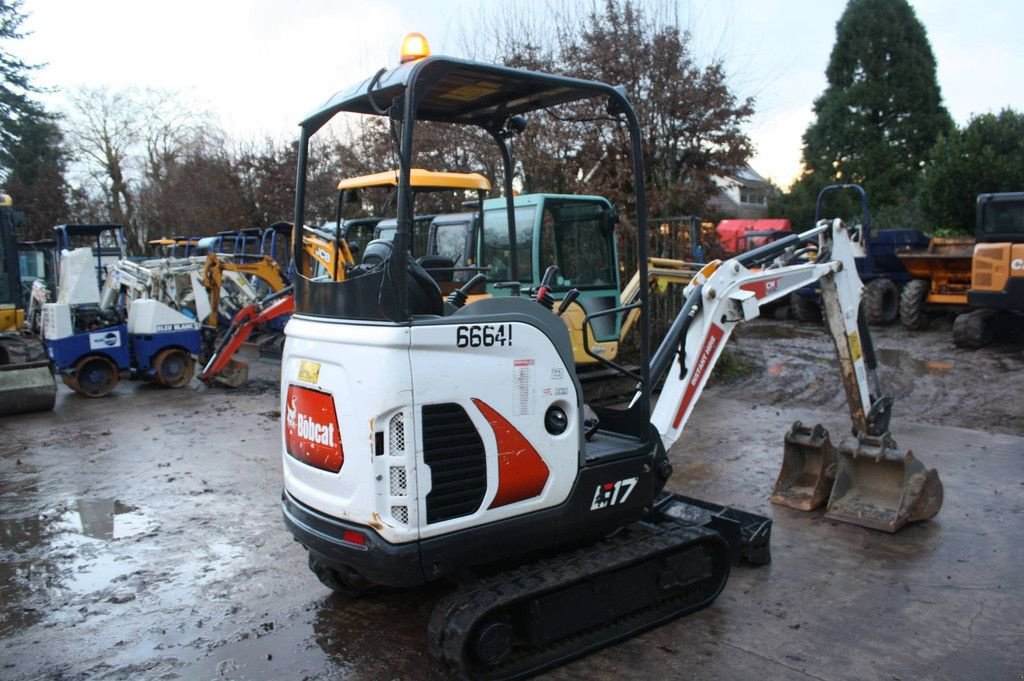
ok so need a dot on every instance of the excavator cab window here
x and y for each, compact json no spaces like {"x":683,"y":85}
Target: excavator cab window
{"x":582,"y":247}
{"x":450,"y":240}
{"x":420,"y":232}
{"x":495,"y":252}
{"x":1001,"y":218}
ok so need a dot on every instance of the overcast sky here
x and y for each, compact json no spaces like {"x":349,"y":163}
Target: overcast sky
{"x":260,"y":65}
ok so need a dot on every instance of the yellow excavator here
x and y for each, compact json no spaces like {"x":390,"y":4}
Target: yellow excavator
{"x":26,"y":378}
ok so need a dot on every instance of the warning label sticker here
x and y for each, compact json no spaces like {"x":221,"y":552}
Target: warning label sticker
{"x":522,"y":387}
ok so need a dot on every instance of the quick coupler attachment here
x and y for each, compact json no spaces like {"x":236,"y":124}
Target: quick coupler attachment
{"x":808,"y":468}
{"x":881,"y":487}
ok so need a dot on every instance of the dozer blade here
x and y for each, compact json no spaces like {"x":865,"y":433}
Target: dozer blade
{"x":235,"y":374}
{"x":26,"y":388}
{"x":880,"y":487}
{"x":808,"y":468}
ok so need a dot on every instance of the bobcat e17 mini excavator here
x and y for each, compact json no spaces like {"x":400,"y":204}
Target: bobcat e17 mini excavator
{"x":427,"y":440}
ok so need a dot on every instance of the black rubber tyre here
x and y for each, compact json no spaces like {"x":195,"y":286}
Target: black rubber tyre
{"x":95,"y":376}
{"x":973,"y":329}
{"x":913,"y":314}
{"x":351,"y":584}
{"x":804,"y":309}
{"x":882,"y":302}
{"x":174,"y":367}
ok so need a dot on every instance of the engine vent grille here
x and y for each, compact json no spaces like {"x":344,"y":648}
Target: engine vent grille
{"x":398,"y":488}
{"x":396,"y":435}
{"x":455,"y":454}
{"x":401,"y":514}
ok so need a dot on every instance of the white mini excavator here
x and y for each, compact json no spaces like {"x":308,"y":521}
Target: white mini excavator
{"x":425,"y":440}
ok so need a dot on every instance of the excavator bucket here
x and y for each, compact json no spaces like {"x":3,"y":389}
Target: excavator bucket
{"x":883,"y":488}
{"x":26,"y":387}
{"x":234,"y":374}
{"x":808,"y":468}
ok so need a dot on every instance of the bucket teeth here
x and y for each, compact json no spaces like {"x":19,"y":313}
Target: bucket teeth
{"x":881,"y":487}
{"x":808,"y":468}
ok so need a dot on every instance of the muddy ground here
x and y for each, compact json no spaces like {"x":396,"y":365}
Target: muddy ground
{"x":141,"y":538}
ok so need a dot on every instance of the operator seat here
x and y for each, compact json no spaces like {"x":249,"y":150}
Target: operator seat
{"x":376,"y":252}
{"x":423,"y":293}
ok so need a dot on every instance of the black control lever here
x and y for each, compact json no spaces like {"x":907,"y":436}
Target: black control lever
{"x":570,"y":296}
{"x":458,"y":297}
{"x":543,"y":293}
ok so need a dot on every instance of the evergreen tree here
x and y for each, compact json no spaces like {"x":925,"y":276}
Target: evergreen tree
{"x":987,"y":155}
{"x":882,"y":110}
{"x":31,"y":155}
{"x":15,"y":87}
{"x":36,"y":177}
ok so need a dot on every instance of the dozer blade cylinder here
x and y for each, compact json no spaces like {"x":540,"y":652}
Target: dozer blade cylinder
{"x":26,"y":388}
{"x":882,"y":488}
{"x":808,"y":468}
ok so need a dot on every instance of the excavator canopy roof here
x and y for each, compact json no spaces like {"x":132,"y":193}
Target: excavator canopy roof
{"x":460,"y":91}
{"x":419,"y":179}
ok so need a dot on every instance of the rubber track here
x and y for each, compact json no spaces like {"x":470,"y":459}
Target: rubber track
{"x":457,"y":614}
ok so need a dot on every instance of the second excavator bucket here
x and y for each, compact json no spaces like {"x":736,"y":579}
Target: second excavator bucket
{"x":234,"y":374}
{"x":808,"y":468}
{"x":26,"y":388}
{"x":881,"y":487}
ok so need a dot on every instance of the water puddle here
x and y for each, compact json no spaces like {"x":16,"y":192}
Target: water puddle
{"x":901,"y":360}
{"x":780,"y":331}
{"x":105,"y":519}
{"x":67,"y":549}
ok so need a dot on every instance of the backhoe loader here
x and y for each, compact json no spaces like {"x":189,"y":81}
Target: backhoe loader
{"x":424,"y":440}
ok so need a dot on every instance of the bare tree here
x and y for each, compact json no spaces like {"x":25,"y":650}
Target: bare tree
{"x":131,"y":143}
{"x":104,"y":128}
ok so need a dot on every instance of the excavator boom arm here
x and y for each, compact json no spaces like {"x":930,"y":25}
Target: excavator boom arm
{"x":731,"y":294}
{"x":868,"y":482}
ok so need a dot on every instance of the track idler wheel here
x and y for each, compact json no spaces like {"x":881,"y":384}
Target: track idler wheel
{"x":173,"y":367}
{"x":808,"y":468}
{"x":93,"y":376}
{"x":491,"y":643}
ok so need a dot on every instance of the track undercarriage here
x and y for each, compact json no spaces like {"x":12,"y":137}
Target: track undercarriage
{"x":519,"y":622}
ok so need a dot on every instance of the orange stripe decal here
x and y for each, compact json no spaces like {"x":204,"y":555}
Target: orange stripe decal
{"x":522,"y":473}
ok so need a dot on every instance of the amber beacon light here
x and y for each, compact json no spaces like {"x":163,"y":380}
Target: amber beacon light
{"x":414,"y":46}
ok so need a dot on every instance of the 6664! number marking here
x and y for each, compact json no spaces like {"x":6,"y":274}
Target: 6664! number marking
{"x":486,"y":335}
